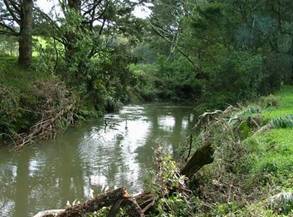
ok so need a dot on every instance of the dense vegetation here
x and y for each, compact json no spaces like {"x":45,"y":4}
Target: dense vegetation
{"x":84,"y":58}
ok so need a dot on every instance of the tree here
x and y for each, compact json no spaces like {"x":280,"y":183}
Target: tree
{"x":96,"y":37}
{"x":16,"y":18}
{"x":97,"y":21}
{"x":237,"y":48}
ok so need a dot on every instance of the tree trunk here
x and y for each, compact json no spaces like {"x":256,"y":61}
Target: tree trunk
{"x":25,"y":34}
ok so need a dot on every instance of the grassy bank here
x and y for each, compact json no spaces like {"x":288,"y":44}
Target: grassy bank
{"x":16,"y":77}
{"x":273,"y":149}
{"x":252,"y":171}
{"x":251,"y":175}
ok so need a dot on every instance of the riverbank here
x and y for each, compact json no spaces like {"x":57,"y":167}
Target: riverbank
{"x":251,"y":174}
{"x":253,"y":144}
{"x":35,"y":104}
{"x":252,"y":171}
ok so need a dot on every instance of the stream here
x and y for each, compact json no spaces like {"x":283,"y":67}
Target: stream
{"x":114,"y":151}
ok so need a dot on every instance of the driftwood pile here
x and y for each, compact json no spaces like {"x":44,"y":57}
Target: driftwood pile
{"x":55,"y":104}
{"x":134,"y":206}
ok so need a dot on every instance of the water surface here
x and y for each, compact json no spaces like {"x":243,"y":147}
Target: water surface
{"x":115,"y":151}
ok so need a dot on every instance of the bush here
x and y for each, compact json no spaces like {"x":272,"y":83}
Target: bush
{"x":9,"y":112}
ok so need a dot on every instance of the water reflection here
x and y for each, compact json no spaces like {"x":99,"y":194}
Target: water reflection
{"x":115,"y":151}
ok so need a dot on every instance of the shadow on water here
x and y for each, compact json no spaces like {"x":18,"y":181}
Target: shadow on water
{"x":115,"y":151}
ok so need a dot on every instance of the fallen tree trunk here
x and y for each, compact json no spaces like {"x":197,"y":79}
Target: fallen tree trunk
{"x":201,"y":157}
{"x":115,"y":199}
{"x":135,"y":206}
{"x":139,"y":205}
{"x":95,"y":204}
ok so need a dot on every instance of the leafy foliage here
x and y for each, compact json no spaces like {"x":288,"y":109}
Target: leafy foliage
{"x":219,"y":52}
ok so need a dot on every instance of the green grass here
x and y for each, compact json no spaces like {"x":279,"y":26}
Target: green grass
{"x":272,"y":151}
{"x":268,"y":162}
{"x":17,"y":78}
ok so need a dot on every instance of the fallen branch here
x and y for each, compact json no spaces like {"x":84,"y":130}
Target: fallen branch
{"x":206,"y":117}
{"x":132,"y":208}
{"x":103,"y":200}
{"x":146,"y":201}
{"x":263,"y":129}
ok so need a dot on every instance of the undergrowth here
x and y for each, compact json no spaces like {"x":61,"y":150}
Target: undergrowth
{"x":252,"y":171}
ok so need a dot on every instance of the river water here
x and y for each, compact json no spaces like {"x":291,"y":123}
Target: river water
{"x":114,"y":151}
